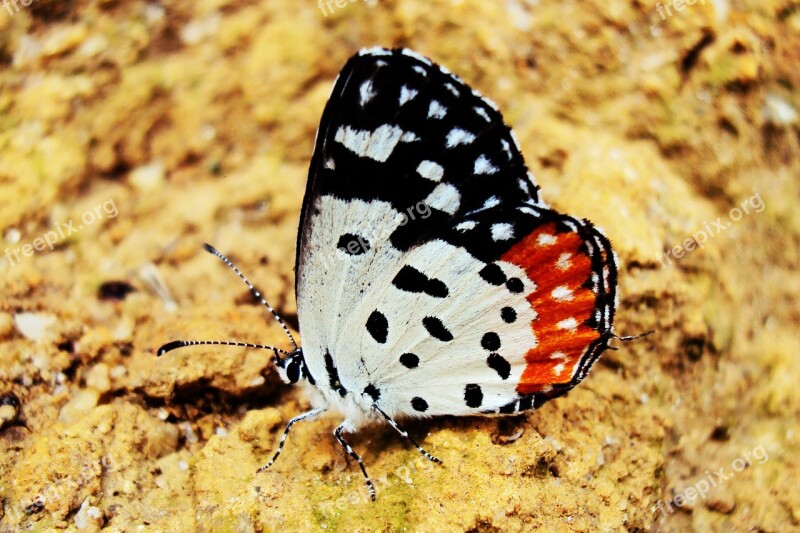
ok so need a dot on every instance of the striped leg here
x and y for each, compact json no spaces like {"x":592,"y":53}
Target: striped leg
{"x":403,"y":433}
{"x":338,"y":434}
{"x":298,"y":418}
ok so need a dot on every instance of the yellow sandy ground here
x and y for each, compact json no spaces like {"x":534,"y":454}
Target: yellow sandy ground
{"x":175,"y":123}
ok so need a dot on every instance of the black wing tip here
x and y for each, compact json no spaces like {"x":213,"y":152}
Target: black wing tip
{"x":168,"y":347}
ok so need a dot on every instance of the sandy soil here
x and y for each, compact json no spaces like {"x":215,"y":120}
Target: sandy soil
{"x":131,"y":132}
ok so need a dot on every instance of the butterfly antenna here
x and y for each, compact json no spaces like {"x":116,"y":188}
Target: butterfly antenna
{"x":253,"y":290}
{"x":634,"y":337}
{"x":168,"y":347}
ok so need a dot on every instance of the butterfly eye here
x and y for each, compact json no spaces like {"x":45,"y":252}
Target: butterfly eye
{"x":293,"y":371}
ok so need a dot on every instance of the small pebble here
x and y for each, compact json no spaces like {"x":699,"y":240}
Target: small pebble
{"x":78,"y":406}
{"x":35,"y":326}
{"x":9,"y":409}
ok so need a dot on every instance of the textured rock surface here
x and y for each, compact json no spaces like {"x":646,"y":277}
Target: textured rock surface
{"x":173,"y":123}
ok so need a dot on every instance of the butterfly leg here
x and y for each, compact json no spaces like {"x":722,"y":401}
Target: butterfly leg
{"x":403,"y":433}
{"x":338,"y":434}
{"x":305,"y":416}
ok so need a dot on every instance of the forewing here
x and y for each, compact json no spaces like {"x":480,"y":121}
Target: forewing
{"x":404,"y":148}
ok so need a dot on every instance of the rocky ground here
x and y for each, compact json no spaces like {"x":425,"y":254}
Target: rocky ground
{"x":131,"y":132}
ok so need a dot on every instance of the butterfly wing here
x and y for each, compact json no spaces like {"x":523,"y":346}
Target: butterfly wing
{"x":523,"y":320}
{"x":420,"y":229}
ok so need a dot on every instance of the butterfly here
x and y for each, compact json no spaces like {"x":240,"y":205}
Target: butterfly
{"x":431,"y":278}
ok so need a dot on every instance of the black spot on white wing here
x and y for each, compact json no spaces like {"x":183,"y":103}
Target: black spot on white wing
{"x":373,"y":392}
{"x":515,"y":285}
{"x":409,"y":279}
{"x":353,"y":244}
{"x":508,"y":315}
{"x":333,"y":375}
{"x":499,"y":364}
{"x":491,"y":341}
{"x":409,"y":360}
{"x":437,"y":329}
{"x":473,"y":395}
{"x":493,"y":274}
{"x":378,"y":326}
{"x":419,"y":404}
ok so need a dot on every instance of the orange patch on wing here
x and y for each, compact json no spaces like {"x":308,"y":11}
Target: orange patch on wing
{"x":557,"y":265}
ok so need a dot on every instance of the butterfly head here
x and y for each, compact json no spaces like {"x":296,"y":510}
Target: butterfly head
{"x":292,"y":368}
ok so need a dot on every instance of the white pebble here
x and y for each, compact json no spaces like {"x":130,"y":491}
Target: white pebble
{"x":34,"y":326}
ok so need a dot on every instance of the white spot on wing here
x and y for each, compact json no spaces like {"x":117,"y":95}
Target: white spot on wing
{"x":377,"y":145}
{"x":458,"y":136}
{"x":367,"y":92}
{"x":516,"y":141}
{"x":430,"y":170}
{"x":452,"y":88}
{"x":374,"y":51}
{"x":545,"y":239}
{"x":330,"y":163}
{"x":502,"y":231}
{"x":444,"y":197}
{"x":563,"y":262}
{"x":484,"y":166}
{"x":466,"y":225}
{"x":482,"y":112}
{"x":558,"y":355}
{"x":491,"y":202}
{"x":407,"y":94}
{"x":487,"y":101}
{"x":506,"y":148}
{"x":562,"y":294}
{"x":418,"y":57}
{"x":569,"y":324}
{"x":420,"y":70}
{"x":436,"y":110}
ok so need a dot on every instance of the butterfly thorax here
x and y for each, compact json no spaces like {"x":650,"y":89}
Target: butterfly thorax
{"x":329,"y":392}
